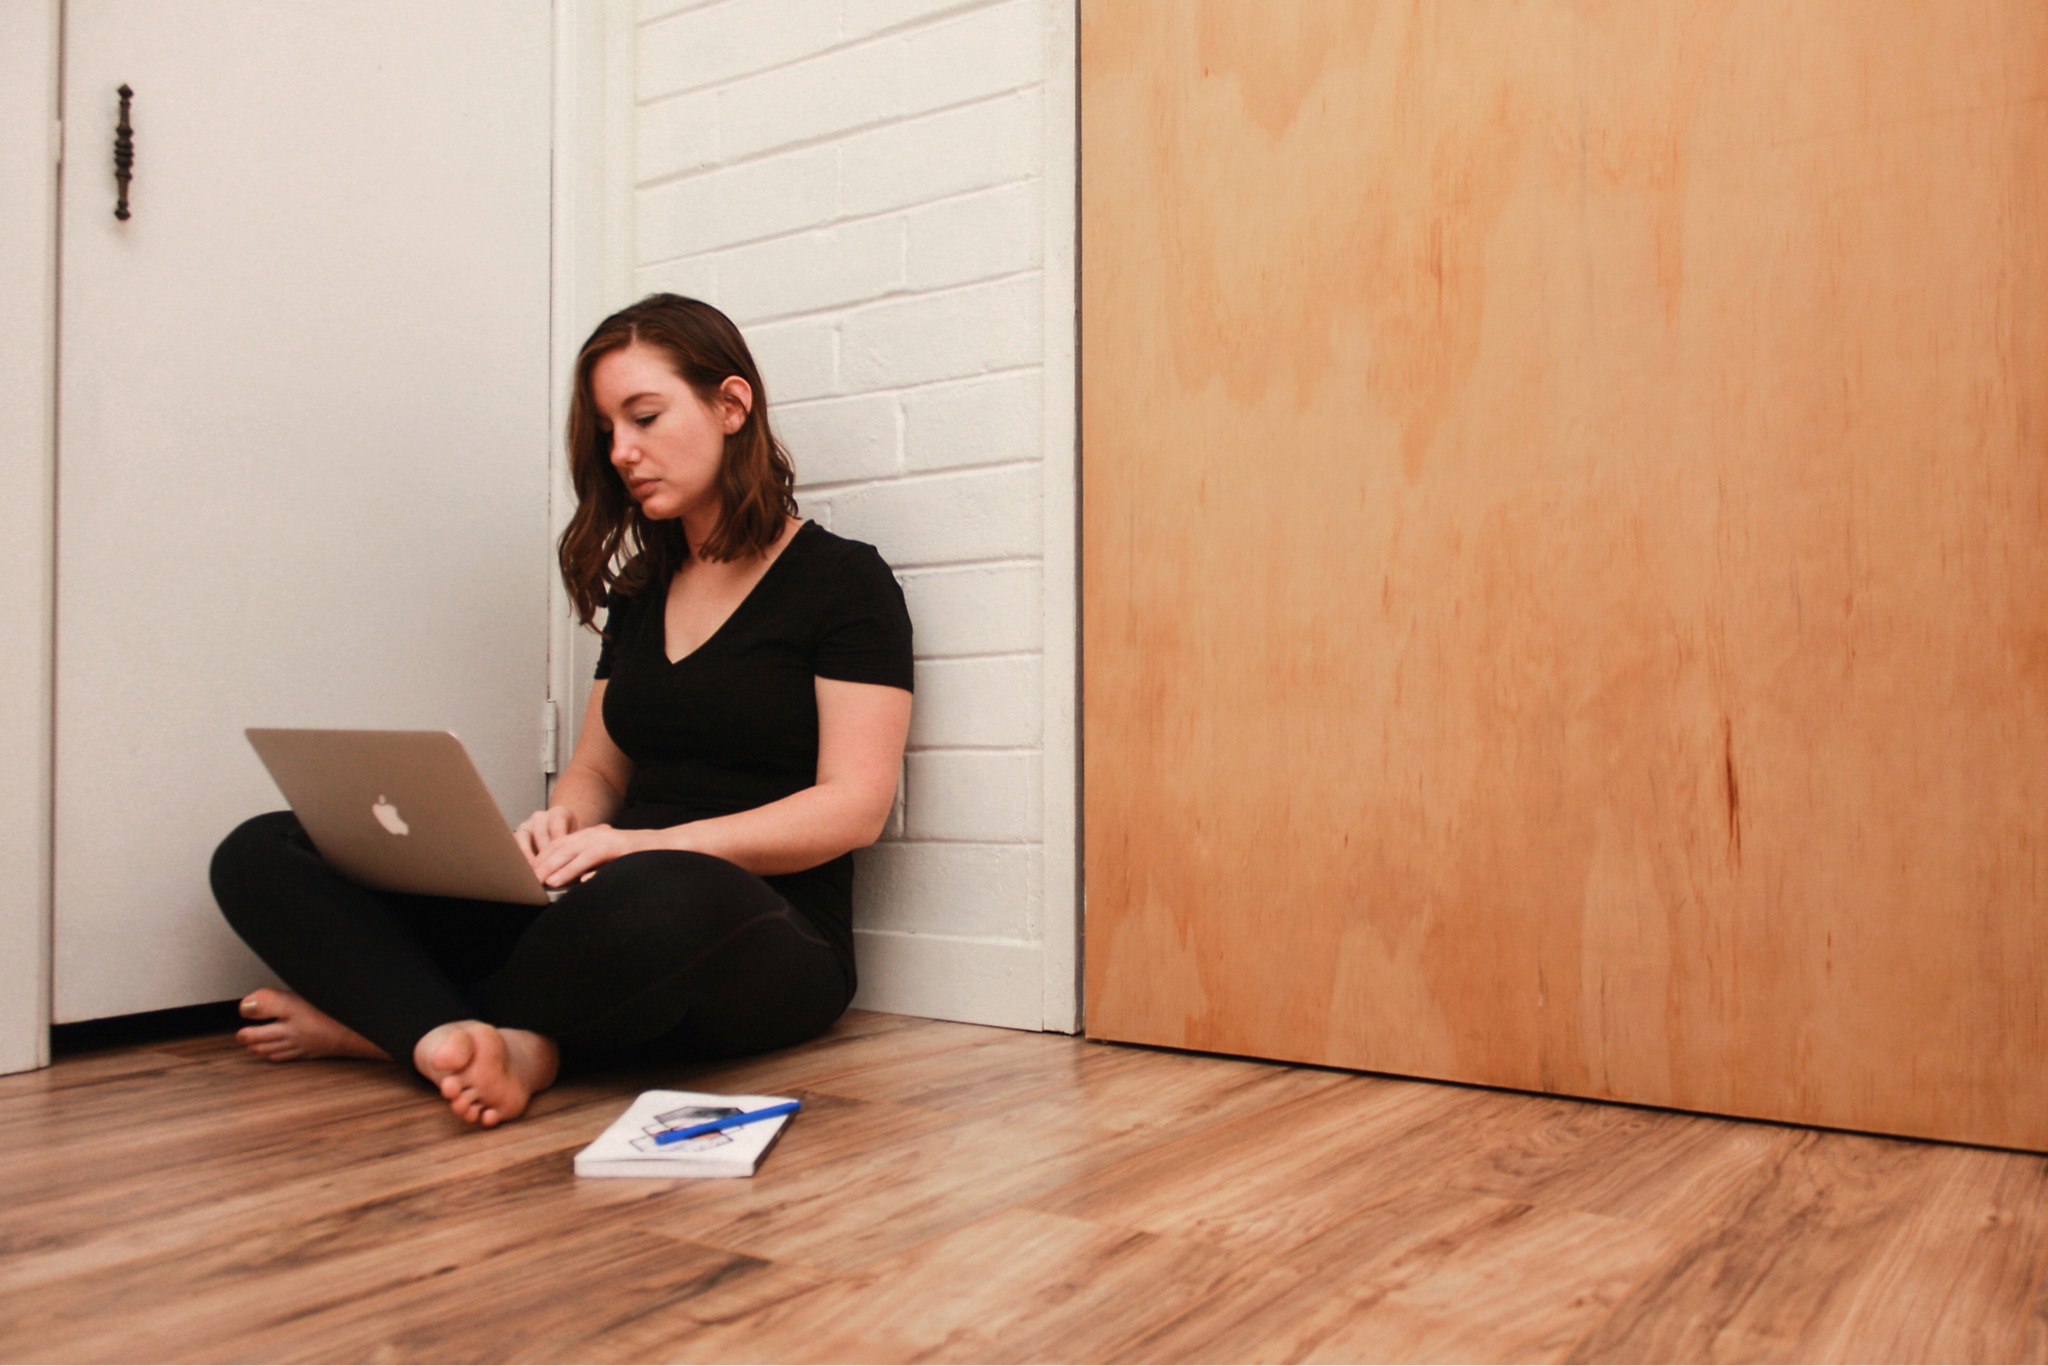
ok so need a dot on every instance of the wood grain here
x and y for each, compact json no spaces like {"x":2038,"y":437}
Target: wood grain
{"x":935,"y":1183}
{"x":1650,"y":1166}
{"x":1937,"y":1287}
{"x":1815,"y":1219}
{"x":1422,"y":1276}
{"x":1017,"y":1285}
{"x":952,"y":1193}
{"x":1565,"y":576}
{"x":1271,"y":1184}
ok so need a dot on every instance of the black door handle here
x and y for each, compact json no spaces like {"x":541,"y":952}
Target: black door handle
{"x":124,"y":155}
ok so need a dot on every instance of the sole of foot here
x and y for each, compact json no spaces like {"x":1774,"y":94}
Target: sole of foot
{"x":486,"y":1074}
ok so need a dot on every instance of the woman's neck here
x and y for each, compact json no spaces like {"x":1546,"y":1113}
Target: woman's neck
{"x":790,"y":526}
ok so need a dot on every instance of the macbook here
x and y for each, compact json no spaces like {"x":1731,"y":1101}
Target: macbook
{"x":400,"y":810}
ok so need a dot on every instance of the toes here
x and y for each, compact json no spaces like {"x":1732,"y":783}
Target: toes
{"x":265,"y":1040}
{"x":274,"y":1046}
{"x":453,"y":1053}
{"x":471,"y":1066}
{"x":265,"y":1003}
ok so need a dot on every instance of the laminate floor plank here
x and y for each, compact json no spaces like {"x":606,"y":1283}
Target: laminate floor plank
{"x":1017,"y":1285}
{"x":825,"y":1218}
{"x":1658,"y":1166}
{"x":376,"y":1132}
{"x":1423,"y":1275}
{"x":1772,"y":1278}
{"x":1001,"y":1067}
{"x":2033,"y":1332}
{"x":91,"y":1069}
{"x":193,"y":1288}
{"x":953,"y":1193}
{"x":1083,"y":1074}
{"x":309,"y":1274}
{"x":1942,"y":1276}
{"x":183,"y":1130}
{"x":205,"y":1293}
{"x":264,"y":1159}
{"x":597,"y":1295}
{"x":1267,"y":1185}
{"x":821,"y":1063}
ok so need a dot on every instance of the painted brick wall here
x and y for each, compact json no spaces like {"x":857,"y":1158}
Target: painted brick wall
{"x":880,"y":193}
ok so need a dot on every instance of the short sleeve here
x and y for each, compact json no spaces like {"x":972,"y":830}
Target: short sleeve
{"x":864,"y":635}
{"x":615,"y":614}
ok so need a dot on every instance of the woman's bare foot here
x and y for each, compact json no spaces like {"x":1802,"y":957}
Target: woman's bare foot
{"x":292,"y":1027}
{"x":487,"y":1074}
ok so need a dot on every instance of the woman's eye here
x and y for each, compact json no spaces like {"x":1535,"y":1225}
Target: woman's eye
{"x":644,"y":420}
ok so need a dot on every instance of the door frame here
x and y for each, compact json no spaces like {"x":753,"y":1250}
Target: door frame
{"x":29,"y":48}
{"x":590,"y":230}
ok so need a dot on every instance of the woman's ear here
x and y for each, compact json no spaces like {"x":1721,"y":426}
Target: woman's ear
{"x":736,"y":399}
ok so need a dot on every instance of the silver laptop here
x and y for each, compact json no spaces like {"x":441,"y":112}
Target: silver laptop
{"x":400,"y":810}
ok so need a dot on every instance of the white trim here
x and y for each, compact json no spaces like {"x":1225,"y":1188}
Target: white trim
{"x":1060,"y":928}
{"x":592,"y":214}
{"x":944,"y":977}
{"x":30,"y":38}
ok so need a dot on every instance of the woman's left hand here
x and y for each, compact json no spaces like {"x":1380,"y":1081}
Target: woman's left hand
{"x":582,"y":852}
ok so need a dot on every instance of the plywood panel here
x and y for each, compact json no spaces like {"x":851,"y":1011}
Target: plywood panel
{"x":1565,"y":587}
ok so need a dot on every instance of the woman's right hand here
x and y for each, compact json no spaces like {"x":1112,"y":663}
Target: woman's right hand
{"x":542,"y":829}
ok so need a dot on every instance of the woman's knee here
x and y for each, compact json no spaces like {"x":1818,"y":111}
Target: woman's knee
{"x":689,"y":883}
{"x":248,"y":860}
{"x":655,"y":910}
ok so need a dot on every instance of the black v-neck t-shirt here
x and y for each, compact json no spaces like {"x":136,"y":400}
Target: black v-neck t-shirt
{"x":734,"y":724}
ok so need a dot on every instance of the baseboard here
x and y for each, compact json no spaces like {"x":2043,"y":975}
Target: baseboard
{"x":940,"y":977}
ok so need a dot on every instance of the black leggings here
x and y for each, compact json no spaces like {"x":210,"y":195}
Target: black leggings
{"x":682,"y":956}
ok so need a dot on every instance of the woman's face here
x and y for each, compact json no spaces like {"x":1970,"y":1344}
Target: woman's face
{"x":666,"y":443}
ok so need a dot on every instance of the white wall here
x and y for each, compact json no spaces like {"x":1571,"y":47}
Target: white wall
{"x":880,"y":193}
{"x":28,"y":110}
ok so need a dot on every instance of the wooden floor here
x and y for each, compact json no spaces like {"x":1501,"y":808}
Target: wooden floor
{"x":959,"y":1193}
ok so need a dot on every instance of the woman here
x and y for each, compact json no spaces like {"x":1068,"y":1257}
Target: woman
{"x":742,"y":739}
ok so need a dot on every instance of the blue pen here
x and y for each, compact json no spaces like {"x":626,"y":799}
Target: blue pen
{"x":712,"y":1126}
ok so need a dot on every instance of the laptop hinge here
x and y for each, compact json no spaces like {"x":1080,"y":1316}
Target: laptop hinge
{"x":550,"y":736}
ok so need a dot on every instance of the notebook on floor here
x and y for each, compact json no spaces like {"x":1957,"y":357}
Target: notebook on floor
{"x":629,"y":1147}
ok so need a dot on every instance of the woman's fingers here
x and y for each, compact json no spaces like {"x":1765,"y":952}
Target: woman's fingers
{"x":542,"y":831}
{"x":577,"y":868}
{"x":562,"y":858}
{"x":579,"y":853}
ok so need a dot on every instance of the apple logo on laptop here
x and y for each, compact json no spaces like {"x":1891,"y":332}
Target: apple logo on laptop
{"x":388,"y":817}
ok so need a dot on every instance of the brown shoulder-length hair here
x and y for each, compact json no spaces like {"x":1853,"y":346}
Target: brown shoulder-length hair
{"x":609,"y":548}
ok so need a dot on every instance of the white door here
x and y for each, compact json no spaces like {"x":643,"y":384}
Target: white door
{"x":303,"y":434}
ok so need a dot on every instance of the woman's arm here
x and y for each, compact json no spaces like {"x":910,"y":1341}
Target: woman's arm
{"x":862,"y":728}
{"x":590,"y":790}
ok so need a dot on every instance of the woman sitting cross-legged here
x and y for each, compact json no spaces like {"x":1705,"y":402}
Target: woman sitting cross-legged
{"x":742,"y":739}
